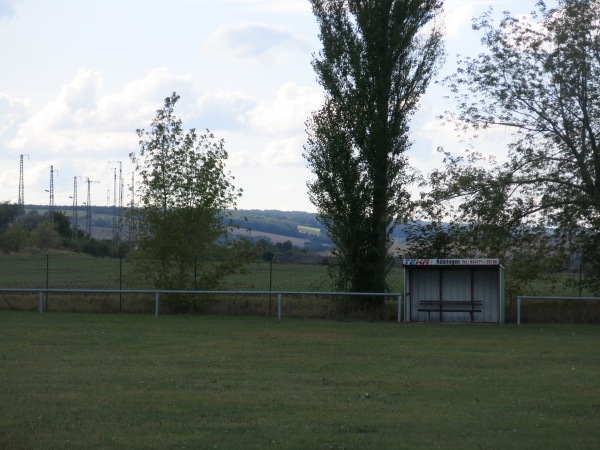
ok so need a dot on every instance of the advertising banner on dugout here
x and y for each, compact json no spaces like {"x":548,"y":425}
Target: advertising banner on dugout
{"x":452,"y":262}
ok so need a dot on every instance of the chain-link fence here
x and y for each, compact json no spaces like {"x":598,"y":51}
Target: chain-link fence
{"x":69,"y":271}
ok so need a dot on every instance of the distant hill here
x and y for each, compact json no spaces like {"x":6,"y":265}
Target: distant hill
{"x":299,"y":226}
{"x":296,"y":224}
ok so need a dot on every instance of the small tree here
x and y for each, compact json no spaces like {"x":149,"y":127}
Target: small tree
{"x":14,"y":239}
{"x":62,"y":224}
{"x":32,"y":219}
{"x":184,"y":197}
{"x":8,"y":214}
{"x":44,"y":236}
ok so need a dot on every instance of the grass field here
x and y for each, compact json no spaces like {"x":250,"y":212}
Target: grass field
{"x":78,"y":271}
{"x":133,"y":381}
{"x":309,"y":230}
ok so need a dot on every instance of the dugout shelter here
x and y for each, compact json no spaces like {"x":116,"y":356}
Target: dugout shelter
{"x":454,"y":290}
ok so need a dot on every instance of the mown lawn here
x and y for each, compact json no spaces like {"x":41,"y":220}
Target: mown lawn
{"x":134,"y":381}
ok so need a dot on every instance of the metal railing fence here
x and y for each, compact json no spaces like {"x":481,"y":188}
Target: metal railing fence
{"x":398,"y":296}
{"x":520,"y":298}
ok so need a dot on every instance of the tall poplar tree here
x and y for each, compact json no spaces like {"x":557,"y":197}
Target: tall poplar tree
{"x":378,"y":58}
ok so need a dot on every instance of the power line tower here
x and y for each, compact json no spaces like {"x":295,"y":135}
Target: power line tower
{"x":115,"y":232}
{"x":21,"y":201}
{"x":51,"y":191}
{"x":133,"y":222}
{"x":74,"y":219}
{"x":118,"y":203}
{"x":88,"y":225}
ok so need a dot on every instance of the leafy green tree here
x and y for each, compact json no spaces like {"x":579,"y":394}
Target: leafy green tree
{"x":32,"y":219}
{"x":62,"y":224}
{"x":14,"y":239}
{"x":375,"y":64}
{"x":44,"y":236}
{"x":184,"y":195}
{"x":540,"y":80}
{"x":433,"y":239}
{"x":8,"y":214}
{"x":529,"y":252}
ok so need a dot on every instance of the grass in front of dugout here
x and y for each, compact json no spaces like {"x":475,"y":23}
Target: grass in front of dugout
{"x":130,"y":381}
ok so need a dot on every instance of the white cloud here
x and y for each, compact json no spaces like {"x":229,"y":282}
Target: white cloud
{"x":287,"y":112}
{"x":12,"y":112}
{"x":285,"y":152}
{"x":134,"y":106}
{"x":458,"y":15}
{"x":255,"y":42}
{"x":222,"y":110}
{"x":83,"y":119}
{"x":266,"y":153}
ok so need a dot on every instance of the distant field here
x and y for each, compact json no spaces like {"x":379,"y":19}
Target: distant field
{"x":309,"y":230}
{"x":80,"y":271}
{"x":60,"y":270}
{"x":275,"y":238}
{"x":132,"y":381}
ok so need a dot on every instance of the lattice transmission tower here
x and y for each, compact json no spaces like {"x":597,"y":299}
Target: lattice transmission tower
{"x":21,"y":201}
{"x":51,"y":191}
{"x":88,"y":205}
{"x":118,"y":203}
{"x":75,"y":217}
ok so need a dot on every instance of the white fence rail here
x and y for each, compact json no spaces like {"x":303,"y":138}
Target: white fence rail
{"x":157,"y":294}
{"x":540,"y":297}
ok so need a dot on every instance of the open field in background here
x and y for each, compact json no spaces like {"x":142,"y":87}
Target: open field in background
{"x":133,"y":381}
{"x":75,"y":271}
{"x":80,"y":271}
{"x":309,"y":230}
{"x":61,"y":270}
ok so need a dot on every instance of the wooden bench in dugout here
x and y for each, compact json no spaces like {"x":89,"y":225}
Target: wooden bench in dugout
{"x":441,"y":306}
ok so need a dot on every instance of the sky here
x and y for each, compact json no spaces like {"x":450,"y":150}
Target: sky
{"x":79,"y":77}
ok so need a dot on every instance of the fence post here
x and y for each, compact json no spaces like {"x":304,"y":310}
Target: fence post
{"x":41,"y":302}
{"x":279,"y":306}
{"x":156,"y":307}
{"x":120,"y":284}
{"x":400,"y":308}
{"x":518,"y":310}
{"x":270,"y":282}
{"x":47,"y":277}
{"x":195,"y":272}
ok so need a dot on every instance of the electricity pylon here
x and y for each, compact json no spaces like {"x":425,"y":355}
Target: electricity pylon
{"x":88,"y":226}
{"x":21,"y":202}
{"x":74,"y":220}
{"x":118,"y":203}
{"x":51,"y":192}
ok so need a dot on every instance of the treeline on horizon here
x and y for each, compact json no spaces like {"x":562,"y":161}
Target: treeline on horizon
{"x":284,"y":223}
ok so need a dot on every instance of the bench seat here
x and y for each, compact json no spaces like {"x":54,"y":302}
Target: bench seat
{"x":442,"y":306}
